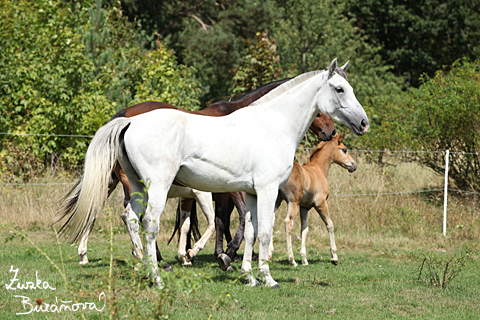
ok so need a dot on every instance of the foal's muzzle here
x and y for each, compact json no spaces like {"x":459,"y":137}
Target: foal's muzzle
{"x":352,"y":166}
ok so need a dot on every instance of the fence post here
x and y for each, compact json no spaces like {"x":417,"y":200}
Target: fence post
{"x":445,"y":192}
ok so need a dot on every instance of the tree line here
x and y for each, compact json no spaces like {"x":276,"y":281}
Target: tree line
{"x":67,"y":66}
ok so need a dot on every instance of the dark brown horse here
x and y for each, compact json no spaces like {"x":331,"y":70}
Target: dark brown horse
{"x":224,"y":202}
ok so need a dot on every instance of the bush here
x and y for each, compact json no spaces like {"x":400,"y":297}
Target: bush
{"x":442,"y":114}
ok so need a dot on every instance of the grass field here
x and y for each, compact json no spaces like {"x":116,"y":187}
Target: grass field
{"x":382,"y":242}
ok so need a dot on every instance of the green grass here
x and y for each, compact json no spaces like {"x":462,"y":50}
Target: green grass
{"x":376,"y":279}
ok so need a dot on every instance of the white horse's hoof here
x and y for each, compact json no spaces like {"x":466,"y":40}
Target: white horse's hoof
{"x":275,"y":286}
{"x":254,"y":283}
{"x":83,"y":259}
{"x":335,"y":262}
{"x":292,"y":263}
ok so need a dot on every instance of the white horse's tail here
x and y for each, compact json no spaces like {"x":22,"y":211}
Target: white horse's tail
{"x":83,"y":202}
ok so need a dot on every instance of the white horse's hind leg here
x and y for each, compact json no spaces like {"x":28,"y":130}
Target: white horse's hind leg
{"x":133,"y":226}
{"x":265,"y":210}
{"x":206,"y":204}
{"x":303,"y":250}
{"x":82,"y":248}
{"x":157,"y":197}
{"x":249,"y":236}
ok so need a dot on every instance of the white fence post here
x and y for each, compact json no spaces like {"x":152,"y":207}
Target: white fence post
{"x":445,"y":192}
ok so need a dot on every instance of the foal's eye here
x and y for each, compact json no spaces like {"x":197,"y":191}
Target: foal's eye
{"x":339,"y":89}
{"x":344,"y":150}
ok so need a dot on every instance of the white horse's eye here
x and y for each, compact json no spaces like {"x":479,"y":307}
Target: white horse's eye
{"x":339,"y":89}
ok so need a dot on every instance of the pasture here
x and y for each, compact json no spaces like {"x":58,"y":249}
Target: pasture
{"x":382,"y":241}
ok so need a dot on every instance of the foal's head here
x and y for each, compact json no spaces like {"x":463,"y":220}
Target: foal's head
{"x":341,"y":155}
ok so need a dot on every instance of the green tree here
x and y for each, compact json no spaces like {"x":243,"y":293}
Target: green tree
{"x":313,"y":32}
{"x":419,"y":37}
{"x":209,"y":35}
{"x":259,"y":66}
{"x":441,"y":114}
{"x":64,"y":69}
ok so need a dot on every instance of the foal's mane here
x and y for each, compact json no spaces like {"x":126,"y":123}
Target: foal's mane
{"x":318,"y":149}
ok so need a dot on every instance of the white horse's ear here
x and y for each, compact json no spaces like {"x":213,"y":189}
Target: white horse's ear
{"x":345,"y":66}
{"x":332,"y":66}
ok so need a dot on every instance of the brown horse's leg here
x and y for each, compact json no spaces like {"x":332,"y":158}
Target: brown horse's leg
{"x":323,"y":212}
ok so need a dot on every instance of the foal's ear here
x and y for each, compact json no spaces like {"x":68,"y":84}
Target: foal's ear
{"x":345,"y":66}
{"x":340,"y":137}
{"x":332,"y":66}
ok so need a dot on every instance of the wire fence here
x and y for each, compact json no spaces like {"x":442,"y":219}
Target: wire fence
{"x":445,"y":190}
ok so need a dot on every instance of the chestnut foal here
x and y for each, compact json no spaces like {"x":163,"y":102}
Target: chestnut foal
{"x":308,"y":188}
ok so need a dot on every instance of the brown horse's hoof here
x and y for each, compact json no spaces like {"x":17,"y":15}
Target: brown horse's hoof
{"x":335,"y":262}
{"x":224,"y":262}
{"x":166,"y":267}
{"x":255,"y":256}
{"x":190,"y":255}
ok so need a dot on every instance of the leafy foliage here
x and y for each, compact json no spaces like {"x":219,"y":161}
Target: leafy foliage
{"x":260,"y":66}
{"x":63,"y":70}
{"x":311,"y":33}
{"x":419,"y":37}
{"x":442,"y":114}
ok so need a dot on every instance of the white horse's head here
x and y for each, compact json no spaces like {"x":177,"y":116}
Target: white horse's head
{"x":338,"y":100}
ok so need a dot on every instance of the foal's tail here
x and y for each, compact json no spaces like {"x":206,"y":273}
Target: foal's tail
{"x":83,"y":202}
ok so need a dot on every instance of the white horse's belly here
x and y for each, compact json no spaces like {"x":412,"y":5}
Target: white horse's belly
{"x":208,"y":177}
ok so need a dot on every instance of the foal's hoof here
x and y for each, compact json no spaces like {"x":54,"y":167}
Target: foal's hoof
{"x":224,"y":262}
{"x":335,"y":262}
{"x":166,"y":267}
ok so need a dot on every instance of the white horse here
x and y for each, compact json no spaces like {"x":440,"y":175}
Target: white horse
{"x":259,"y":147}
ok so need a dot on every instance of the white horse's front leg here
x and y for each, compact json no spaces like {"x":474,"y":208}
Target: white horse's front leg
{"x":133,"y":226}
{"x":265,"y":212}
{"x":249,"y":236}
{"x":303,"y":250}
{"x":82,"y":248}
{"x":206,"y":204}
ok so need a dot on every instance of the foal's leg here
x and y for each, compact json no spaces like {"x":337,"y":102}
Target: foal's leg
{"x":291,"y":214}
{"x":323,"y":212}
{"x":303,"y":250}
{"x":277,"y":205}
{"x":206,"y":204}
{"x":251,"y":228}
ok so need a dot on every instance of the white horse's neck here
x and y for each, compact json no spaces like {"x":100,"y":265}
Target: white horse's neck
{"x":291,"y":112}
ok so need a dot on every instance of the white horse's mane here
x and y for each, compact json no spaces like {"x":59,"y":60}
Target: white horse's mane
{"x":286,"y":86}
